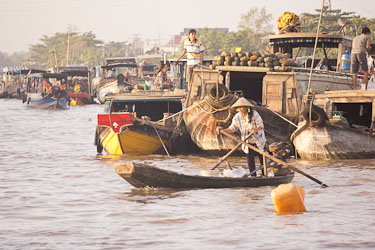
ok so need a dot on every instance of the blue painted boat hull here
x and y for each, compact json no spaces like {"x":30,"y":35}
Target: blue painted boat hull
{"x":51,"y":102}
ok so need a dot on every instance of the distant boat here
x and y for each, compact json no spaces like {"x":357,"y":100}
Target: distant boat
{"x":81,"y":74}
{"x":115,"y":74}
{"x":59,"y":100}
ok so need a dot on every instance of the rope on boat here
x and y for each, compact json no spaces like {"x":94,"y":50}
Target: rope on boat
{"x":162,"y":143}
{"x":181,"y":111}
{"x":224,"y":101}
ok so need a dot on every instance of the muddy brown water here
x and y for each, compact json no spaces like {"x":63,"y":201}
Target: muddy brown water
{"x":57,"y":193}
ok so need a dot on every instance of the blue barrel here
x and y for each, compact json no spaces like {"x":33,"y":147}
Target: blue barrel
{"x":346,"y":60}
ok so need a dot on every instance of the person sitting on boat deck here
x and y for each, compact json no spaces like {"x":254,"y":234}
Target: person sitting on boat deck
{"x":246,"y":121}
{"x":49,"y":89}
{"x":77,"y":87}
{"x":126,"y":76}
{"x":361,"y":45}
{"x":162,"y":81}
{"x":93,"y":73}
{"x":195,"y":53}
{"x":62,"y":86}
{"x":148,"y":81}
{"x":121,"y":80}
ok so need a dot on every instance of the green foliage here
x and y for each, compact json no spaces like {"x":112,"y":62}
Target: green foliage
{"x":253,"y":30}
{"x":83,"y":48}
{"x":331,"y":22}
{"x":114,"y":49}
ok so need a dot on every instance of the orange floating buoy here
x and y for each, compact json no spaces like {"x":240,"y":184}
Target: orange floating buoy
{"x":288,"y":198}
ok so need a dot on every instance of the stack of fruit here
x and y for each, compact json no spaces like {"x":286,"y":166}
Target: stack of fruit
{"x":288,"y":22}
{"x":276,"y":62}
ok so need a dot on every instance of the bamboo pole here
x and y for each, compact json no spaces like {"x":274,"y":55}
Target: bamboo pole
{"x":315,"y":45}
{"x":224,"y":158}
{"x":273,"y":158}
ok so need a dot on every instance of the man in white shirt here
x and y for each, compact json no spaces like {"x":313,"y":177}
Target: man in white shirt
{"x":195,"y":53}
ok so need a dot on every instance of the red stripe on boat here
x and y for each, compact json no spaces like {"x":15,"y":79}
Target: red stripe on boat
{"x":118,"y":120}
{"x":78,"y":95}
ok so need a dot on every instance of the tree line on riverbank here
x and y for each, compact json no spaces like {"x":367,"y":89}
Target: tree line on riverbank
{"x":253,"y":29}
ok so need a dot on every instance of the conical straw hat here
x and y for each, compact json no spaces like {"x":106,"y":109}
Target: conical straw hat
{"x":242,"y":102}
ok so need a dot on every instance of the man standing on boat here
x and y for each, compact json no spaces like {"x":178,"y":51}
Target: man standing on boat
{"x":361,"y":45}
{"x":195,"y":53}
{"x":247,"y":121}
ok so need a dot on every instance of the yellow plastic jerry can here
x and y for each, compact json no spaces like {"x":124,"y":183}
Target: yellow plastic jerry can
{"x":288,"y":198}
{"x":73,"y":102}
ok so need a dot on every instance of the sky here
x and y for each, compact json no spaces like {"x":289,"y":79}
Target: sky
{"x":24,"y":22}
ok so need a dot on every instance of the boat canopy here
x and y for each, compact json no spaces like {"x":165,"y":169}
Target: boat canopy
{"x":58,"y":76}
{"x":149,"y":99}
{"x":307,"y":40}
{"x":74,"y":70}
{"x":120,"y":65}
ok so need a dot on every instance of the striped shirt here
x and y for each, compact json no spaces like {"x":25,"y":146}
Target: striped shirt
{"x":193,"y":51}
{"x":244,"y":127}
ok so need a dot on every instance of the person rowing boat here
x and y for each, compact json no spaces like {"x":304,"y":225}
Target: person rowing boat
{"x":247,"y":121}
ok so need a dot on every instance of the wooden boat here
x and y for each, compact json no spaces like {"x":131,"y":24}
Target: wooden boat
{"x":347,"y":135}
{"x":59,"y":100}
{"x":133,"y":123}
{"x":3,"y":90}
{"x":201,"y":121}
{"x":80,"y":98}
{"x":11,"y":86}
{"x":34,"y":86}
{"x":141,"y":175}
{"x":279,"y":95}
{"x":123,"y":133}
{"x":114,"y":76}
{"x":82,"y":75}
{"x":109,"y":89}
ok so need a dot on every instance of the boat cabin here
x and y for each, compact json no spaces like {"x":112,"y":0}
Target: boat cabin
{"x":79,"y":74}
{"x":128,"y":66}
{"x":146,"y":105}
{"x":293,"y":42}
{"x":355,"y":107}
{"x":279,"y":91}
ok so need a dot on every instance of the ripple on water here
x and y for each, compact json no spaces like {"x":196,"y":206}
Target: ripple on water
{"x":56,"y":193}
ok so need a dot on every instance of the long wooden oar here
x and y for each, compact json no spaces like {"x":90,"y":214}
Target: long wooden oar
{"x":273,"y":158}
{"x":230,"y":152}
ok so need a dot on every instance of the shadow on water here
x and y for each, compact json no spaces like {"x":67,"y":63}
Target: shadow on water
{"x":149,"y":195}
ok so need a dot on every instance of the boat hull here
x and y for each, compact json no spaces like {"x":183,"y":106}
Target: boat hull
{"x":201,"y":123}
{"x":129,"y":142}
{"x":335,"y":141}
{"x":109,"y":88}
{"x":50,"y":102}
{"x":123,"y":133}
{"x":141,"y":175}
{"x":80,"y":98}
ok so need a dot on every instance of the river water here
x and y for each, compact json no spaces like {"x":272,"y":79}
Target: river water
{"x":57,"y":193}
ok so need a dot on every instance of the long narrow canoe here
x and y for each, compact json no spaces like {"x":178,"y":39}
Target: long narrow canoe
{"x":141,"y":175}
